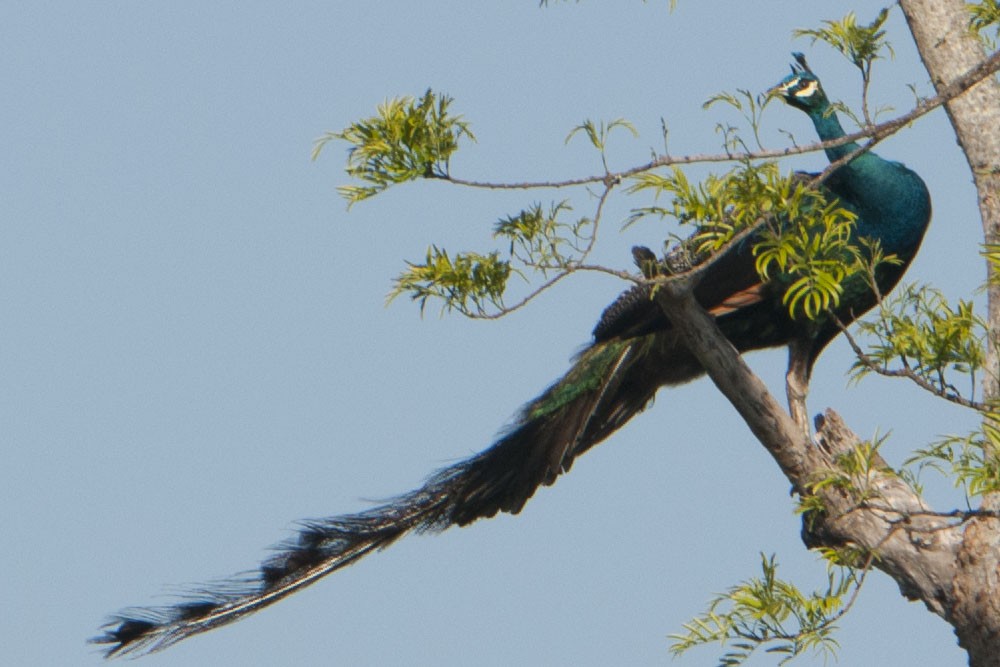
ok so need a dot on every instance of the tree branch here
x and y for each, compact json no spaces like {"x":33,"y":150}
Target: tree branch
{"x":873,"y":366}
{"x":748,"y":394}
{"x":922,"y":566}
{"x":877,"y":133}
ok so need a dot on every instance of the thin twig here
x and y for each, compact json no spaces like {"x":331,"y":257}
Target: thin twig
{"x":570,"y":268}
{"x":875,"y":133}
{"x":905,"y":372}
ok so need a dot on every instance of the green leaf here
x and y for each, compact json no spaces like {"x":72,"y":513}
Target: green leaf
{"x":806,"y":243}
{"x":984,"y":15}
{"x":541,"y":241}
{"x":598,"y":134}
{"x":919,"y":330}
{"x":972,"y":461}
{"x":771,"y":614}
{"x":469,"y":282}
{"x":406,"y":140}
{"x":861,"y":44}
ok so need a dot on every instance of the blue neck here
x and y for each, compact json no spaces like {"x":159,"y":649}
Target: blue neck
{"x":828,"y":127}
{"x":892,"y":202}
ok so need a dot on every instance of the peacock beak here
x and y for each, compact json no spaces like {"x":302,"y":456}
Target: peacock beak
{"x":781,"y":90}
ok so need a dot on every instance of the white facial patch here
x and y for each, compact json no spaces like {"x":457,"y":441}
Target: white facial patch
{"x":807,"y":90}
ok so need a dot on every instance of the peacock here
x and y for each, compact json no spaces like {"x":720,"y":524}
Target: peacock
{"x":634,"y":352}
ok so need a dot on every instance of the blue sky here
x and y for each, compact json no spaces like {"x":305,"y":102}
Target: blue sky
{"x":196,"y":350}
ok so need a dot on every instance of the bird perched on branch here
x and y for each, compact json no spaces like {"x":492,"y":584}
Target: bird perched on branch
{"x":634,"y":353}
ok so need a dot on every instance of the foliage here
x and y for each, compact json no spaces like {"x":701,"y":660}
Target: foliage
{"x":859,"y":44}
{"x":598,"y":134}
{"x":817,"y":258}
{"x":853,"y":473}
{"x":812,"y":257}
{"x":406,"y":140}
{"x":474,"y":283}
{"x":772,"y":614}
{"x":991,"y":252}
{"x":539,"y":239}
{"x":971,"y":461}
{"x":469,"y":283}
{"x":985,"y":14}
{"x":410,"y":139}
{"x":919,"y":332}
{"x":862,"y":45}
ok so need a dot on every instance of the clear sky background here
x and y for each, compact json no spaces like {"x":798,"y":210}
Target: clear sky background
{"x":195,"y":349}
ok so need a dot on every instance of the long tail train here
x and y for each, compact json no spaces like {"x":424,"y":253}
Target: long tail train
{"x":602,"y":390}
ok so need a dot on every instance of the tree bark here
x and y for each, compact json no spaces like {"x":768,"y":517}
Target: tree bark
{"x":947,"y":48}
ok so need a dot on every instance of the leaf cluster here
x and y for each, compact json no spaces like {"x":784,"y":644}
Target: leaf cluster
{"x":984,"y":15}
{"x":406,"y":140}
{"x":817,"y":254}
{"x":861,"y":44}
{"x":772,"y":614}
{"x":719,"y":207}
{"x":805,"y":241}
{"x":972,"y":461}
{"x":474,"y":284}
{"x":853,"y":472}
{"x":541,"y":240}
{"x":468,"y":282}
{"x":991,"y":252}
{"x":919,"y":332}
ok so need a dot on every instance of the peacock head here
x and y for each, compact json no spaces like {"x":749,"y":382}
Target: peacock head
{"x":801,"y":88}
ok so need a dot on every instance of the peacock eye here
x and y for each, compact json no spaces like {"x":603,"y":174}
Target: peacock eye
{"x":807,"y":89}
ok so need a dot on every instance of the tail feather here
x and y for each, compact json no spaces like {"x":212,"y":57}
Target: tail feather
{"x":596,"y":396}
